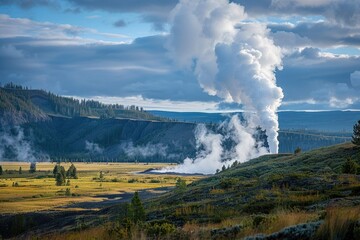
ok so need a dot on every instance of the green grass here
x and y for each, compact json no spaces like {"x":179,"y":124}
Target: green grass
{"x":37,"y":191}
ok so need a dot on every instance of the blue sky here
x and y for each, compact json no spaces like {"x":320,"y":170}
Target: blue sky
{"x":114,"y":51}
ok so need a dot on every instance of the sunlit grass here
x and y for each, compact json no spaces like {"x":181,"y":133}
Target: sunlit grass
{"x":38,"y":191}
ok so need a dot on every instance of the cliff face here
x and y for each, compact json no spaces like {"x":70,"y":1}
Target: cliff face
{"x":113,"y":139}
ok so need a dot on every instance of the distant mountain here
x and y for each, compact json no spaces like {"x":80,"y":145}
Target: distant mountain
{"x":329,"y":121}
{"x":39,"y":124}
{"x":19,"y":105}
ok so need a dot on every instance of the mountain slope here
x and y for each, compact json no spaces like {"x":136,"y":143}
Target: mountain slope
{"x":39,"y":103}
{"x":15,"y":109}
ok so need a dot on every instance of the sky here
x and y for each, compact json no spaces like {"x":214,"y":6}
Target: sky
{"x":115,"y":52}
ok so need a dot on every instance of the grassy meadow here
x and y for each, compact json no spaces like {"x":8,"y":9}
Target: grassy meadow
{"x":38,"y":191}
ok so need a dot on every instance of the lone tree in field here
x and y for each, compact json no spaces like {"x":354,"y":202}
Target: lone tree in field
{"x":136,"y":209}
{"x":356,"y":135}
{"x":60,"y":180}
{"x":1,"y":171}
{"x":20,"y":170}
{"x":32,"y":167}
{"x":71,"y":172}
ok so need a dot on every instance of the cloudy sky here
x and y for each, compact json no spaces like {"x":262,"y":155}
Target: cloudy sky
{"x":115,"y":51}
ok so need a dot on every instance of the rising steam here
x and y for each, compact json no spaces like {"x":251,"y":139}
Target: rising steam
{"x":15,"y":146}
{"x":232,"y":58}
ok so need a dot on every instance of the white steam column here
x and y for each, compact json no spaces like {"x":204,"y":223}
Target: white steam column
{"x":232,"y":58}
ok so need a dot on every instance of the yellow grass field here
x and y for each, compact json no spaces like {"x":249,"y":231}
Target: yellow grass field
{"x":38,"y":191}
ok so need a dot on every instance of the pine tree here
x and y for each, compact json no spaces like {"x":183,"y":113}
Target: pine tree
{"x":71,"y":172}
{"x":1,"y":170}
{"x":180,"y":185}
{"x":137,"y":212}
{"x":60,"y":180}
{"x":356,"y":136}
{"x":349,"y":167}
{"x":20,"y":170}
{"x":32,"y":167}
{"x":56,"y":169}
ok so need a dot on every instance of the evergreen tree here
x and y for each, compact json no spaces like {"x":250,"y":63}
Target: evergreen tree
{"x":60,"y":180}
{"x":56,"y":169}
{"x":1,"y":170}
{"x":62,"y":172}
{"x":137,"y":212}
{"x":180,"y":185}
{"x":32,"y":167}
{"x":356,"y":134}
{"x":349,"y":166}
{"x":71,"y":172}
{"x":20,"y":170}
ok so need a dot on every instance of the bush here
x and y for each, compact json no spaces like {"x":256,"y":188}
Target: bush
{"x":226,"y":183}
{"x":68,"y":192}
{"x":297,"y":150}
{"x":155,"y":181}
{"x":180,"y":185}
{"x":350,"y":167}
{"x":158,"y":230}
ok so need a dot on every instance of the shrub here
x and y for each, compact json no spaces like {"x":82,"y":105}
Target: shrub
{"x":226,"y":183}
{"x":158,"y":230}
{"x":297,"y":151}
{"x":155,"y":181}
{"x":349,"y":166}
{"x":180,"y":185}
{"x":68,"y":192}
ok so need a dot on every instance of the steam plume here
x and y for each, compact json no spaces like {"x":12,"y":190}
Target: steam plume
{"x":93,"y":148}
{"x":211,"y":149}
{"x":15,"y":146}
{"x":147,"y":150}
{"x":231,"y":58}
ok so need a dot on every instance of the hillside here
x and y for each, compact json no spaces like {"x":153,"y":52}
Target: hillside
{"x":257,"y":195}
{"x":35,"y":105}
{"x":17,"y":109}
{"x":284,"y":196}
